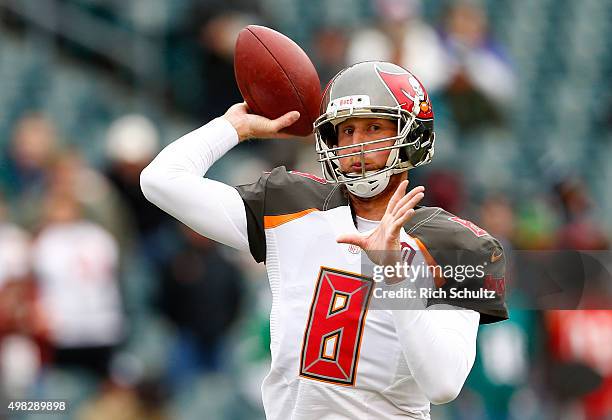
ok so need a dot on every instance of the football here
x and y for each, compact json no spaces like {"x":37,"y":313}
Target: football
{"x":276,"y":76}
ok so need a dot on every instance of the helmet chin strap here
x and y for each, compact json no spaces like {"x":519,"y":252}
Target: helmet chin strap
{"x":367,"y":188}
{"x":375,"y":184}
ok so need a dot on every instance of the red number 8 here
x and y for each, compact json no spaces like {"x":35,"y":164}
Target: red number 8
{"x":330,"y":349}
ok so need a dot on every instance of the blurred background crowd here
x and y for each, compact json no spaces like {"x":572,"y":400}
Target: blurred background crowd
{"x":110,"y":304}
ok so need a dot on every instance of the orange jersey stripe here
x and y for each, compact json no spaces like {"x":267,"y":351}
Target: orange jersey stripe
{"x":438,"y":280}
{"x":275,"y":221}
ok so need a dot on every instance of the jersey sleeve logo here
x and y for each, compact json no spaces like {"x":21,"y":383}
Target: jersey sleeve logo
{"x":309,"y":176}
{"x":478,"y":231}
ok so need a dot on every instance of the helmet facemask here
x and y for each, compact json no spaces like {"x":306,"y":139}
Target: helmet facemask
{"x":412,"y":139}
{"x":374,"y":89}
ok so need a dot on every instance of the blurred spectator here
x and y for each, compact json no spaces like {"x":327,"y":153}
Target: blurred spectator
{"x":481,"y":82}
{"x":504,"y":366}
{"x":20,"y":361}
{"x":14,"y":250}
{"x":445,"y":189}
{"x":75,"y":263}
{"x":581,"y":355}
{"x":202,"y":59}
{"x":573,"y":198}
{"x":69,"y":174}
{"x":402,"y":37}
{"x":497,"y":218}
{"x":20,"y":321}
{"x":329,"y":46}
{"x":580,"y":231}
{"x":217,"y":38}
{"x":32,"y":148}
{"x":537,"y":223}
{"x":16,"y":289}
{"x":145,"y":402}
{"x":131,"y":143}
{"x":583,"y":234}
{"x":201,"y":294}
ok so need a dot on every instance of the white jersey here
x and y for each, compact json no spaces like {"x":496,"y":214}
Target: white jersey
{"x":76,"y":268}
{"x":333,"y":354}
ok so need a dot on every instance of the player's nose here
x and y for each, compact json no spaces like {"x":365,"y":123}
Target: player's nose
{"x":359,"y":136}
{"x":355,"y":148}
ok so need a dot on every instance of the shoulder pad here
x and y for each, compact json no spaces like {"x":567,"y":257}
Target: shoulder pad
{"x":453,"y":244}
{"x":293,"y":191}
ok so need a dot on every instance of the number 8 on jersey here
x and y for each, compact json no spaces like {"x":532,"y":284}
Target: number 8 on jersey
{"x":330,"y":350}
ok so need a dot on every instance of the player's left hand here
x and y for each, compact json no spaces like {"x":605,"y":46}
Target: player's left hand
{"x":386,"y":237}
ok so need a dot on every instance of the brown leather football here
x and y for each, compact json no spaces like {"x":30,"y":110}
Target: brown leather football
{"x":276,"y":76}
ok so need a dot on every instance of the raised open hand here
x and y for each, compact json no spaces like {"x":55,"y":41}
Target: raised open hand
{"x":386,"y":236}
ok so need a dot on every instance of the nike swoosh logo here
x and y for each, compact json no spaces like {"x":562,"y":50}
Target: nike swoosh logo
{"x":496,"y":255}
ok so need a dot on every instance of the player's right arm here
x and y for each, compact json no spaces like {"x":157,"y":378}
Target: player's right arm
{"x":174,"y":181}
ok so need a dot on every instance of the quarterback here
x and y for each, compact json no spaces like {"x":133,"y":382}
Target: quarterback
{"x":334,"y":354}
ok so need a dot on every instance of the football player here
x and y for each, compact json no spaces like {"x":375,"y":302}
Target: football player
{"x":333,"y":354}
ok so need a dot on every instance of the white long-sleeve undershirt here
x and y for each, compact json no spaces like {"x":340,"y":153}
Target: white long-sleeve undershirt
{"x":439,"y":345}
{"x":174,"y":182}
